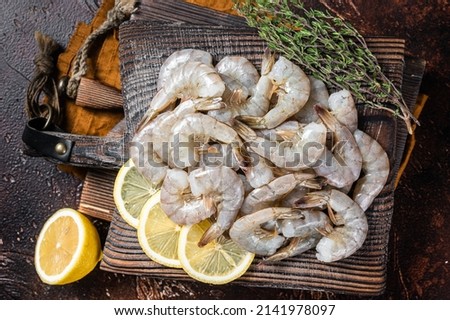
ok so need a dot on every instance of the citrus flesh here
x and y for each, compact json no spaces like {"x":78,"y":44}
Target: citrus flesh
{"x":67,"y":249}
{"x":219,"y":262}
{"x":131,"y":191}
{"x":158,"y":235}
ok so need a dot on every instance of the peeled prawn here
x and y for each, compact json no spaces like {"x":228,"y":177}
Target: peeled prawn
{"x":178,"y":202}
{"x":350,"y":229}
{"x":319,"y":95}
{"x":375,"y":167}
{"x":165,"y":124}
{"x":375,"y":162}
{"x":292,"y":87}
{"x":222,"y":188}
{"x":304,"y":234}
{"x":144,"y":157}
{"x":191,"y":80}
{"x":178,"y":58}
{"x":201,"y":128}
{"x":258,"y":103}
{"x":248,"y":233}
{"x":302,"y":151}
{"x":342,"y":166}
{"x":269,"y":194}
{"x":240,"y":77}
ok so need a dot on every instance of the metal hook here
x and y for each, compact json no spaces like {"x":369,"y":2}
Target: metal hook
{"x":48,"y":116}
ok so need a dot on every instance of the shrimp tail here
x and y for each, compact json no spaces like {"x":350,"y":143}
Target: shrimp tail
{"x":241,"y":157}
{"x":253,"y":122}
{"x":237,"y":97}
{"x":288,"y":213}
{"x":316,"y":183}
{"x":326,"y":116}
{"x":268,"y":60}
{"x":287,"y":134}
{"x":211,"y":234}
{"x":146,"y":119}
{"x":210,"y":206}
{"x":244,"y":131}
{"x":284,"y":252}
{"x":296,"y":246}
{"x":309,"y":180}
{"x":210,"y":104}
{"x":311,"y":200}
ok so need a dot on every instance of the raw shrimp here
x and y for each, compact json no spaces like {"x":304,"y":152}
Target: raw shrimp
{"x":240,"y":77}
{"x":304,"y":234}
{"x":342,"y":106}
{"x":221,"y":187}
{"x":191,"y":80}
{"x":144,"y":157}
{"x":259,"y":172}
{"x":291,"y":198}
{"x":375,"y":162}
{"x":342,"y":166}
{"x":313,"y":220}
{"x":293,"y":88}
{"x":177,"y":201}
{"x":178,"y":58}
{"x":284,"y":132}
{"x":195,"y":128}
{"x":296,"y":246}
{"x":269,"y":194}
{"x":302,"y":151}
{"x":375,"y":166}
{"x":160,"y":137}
{"x":247,"y":186}
{"x":218,"y":154}
{"x":350,"y":229}
{"x":258,"y":103}
{"x":319,"y":95}
{"x":247,"y":231}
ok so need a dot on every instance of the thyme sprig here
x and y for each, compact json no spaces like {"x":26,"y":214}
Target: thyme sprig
{"x":328,"y":47}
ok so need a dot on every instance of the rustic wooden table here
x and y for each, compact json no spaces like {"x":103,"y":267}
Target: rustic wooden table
{"x":31,"y":189}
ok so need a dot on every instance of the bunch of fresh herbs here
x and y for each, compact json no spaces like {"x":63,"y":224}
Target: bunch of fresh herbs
{"x":328,"y":48}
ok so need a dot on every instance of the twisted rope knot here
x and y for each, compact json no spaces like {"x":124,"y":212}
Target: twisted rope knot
{"x":121,"y":11}
{"x":44,"y":61}
{"x":44,"y":64}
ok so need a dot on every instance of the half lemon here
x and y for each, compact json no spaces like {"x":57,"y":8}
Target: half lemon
{"x":67,"y":249}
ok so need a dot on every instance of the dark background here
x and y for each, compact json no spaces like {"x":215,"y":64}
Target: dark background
{"x":31,"y":189}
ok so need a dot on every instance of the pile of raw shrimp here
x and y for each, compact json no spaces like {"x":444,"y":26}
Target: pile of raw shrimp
{"x":270,"y":156}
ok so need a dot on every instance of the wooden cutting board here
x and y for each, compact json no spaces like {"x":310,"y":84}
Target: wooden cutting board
{"x":143,"y":48}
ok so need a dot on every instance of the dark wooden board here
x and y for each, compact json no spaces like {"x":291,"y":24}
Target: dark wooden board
{"x":143,"y":48}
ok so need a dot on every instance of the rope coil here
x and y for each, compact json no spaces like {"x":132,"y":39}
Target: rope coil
{"x":43,"y":83}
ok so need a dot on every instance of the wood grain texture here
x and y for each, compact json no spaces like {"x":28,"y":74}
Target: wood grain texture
{"x":95,"y":95}
{"x":364,"y":273}
{"x":177,"y":11}
{"x":97,"y":199}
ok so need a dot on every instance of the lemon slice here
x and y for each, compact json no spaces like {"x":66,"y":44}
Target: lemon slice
{"x":67,"y":249}
{"x":158,"y":235}
{"x":131,"y":192}
{"x":219,"y":262}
